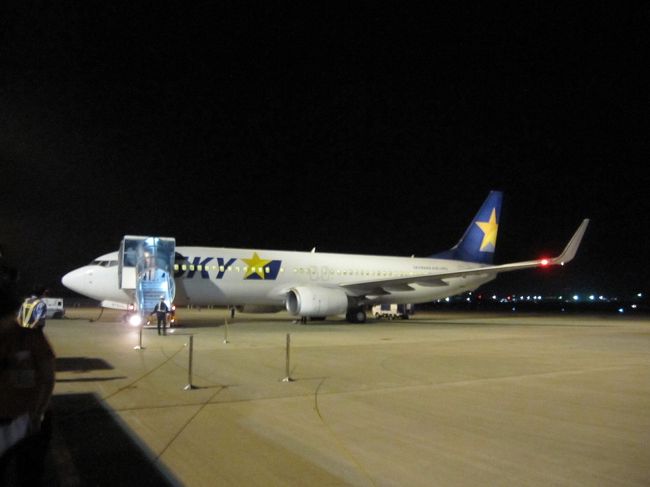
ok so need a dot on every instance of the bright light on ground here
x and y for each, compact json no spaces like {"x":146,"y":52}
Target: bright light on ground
{"x":135,"y":320}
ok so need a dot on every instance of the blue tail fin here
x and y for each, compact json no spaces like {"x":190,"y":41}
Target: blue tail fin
{"x":480,"y":239}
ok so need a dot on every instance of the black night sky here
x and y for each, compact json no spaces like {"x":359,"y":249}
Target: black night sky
{"x":359,"y":129}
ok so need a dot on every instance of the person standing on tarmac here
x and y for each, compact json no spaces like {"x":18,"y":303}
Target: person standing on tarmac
{"x":32,"y":312}
{"x":161,"y":310}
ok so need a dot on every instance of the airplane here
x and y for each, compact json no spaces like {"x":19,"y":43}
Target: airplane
{"x":317,"y":285}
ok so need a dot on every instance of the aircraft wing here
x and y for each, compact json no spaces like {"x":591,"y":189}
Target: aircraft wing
{"x":385,"y":286}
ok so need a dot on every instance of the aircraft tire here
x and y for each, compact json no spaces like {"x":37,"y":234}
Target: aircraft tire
{"x":356,"y":316}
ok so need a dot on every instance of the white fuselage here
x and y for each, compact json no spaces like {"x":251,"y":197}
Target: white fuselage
{"x":228,"y":276}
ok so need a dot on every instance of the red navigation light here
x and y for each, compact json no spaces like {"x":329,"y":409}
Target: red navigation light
{"x":544,"y":262}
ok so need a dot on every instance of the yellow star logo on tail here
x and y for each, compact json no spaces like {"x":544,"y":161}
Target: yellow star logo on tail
{"x":255,"y":266}
{"x":489,"y":229}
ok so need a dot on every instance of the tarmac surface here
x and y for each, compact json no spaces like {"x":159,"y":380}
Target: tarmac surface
{"x":442,"y":399}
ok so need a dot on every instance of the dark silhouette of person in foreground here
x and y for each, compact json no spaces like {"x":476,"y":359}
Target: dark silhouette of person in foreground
{"x":26,"y":384}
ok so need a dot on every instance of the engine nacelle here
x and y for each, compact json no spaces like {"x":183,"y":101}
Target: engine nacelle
{"x":316,"y":301}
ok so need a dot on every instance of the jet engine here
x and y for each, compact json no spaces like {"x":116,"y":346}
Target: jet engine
{"x":316,"y":301}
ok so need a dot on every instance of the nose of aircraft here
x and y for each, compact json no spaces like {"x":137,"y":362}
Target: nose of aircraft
{"x":73,"y":280}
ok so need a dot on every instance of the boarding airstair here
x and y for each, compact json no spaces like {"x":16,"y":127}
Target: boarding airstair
{"x":146,"y":268}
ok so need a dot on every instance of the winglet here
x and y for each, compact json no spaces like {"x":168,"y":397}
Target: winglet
{"x":571,"y":248}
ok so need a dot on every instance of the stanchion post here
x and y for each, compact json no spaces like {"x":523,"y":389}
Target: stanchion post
{"x":189,"y":385}
{"x":139,"y":345}
{"x":288,"y":378}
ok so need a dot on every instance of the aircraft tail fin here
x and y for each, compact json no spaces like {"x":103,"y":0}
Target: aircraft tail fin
{"x":478,"y":243}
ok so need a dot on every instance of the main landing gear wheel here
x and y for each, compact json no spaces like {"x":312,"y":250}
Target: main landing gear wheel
{"x":356,"y":316}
